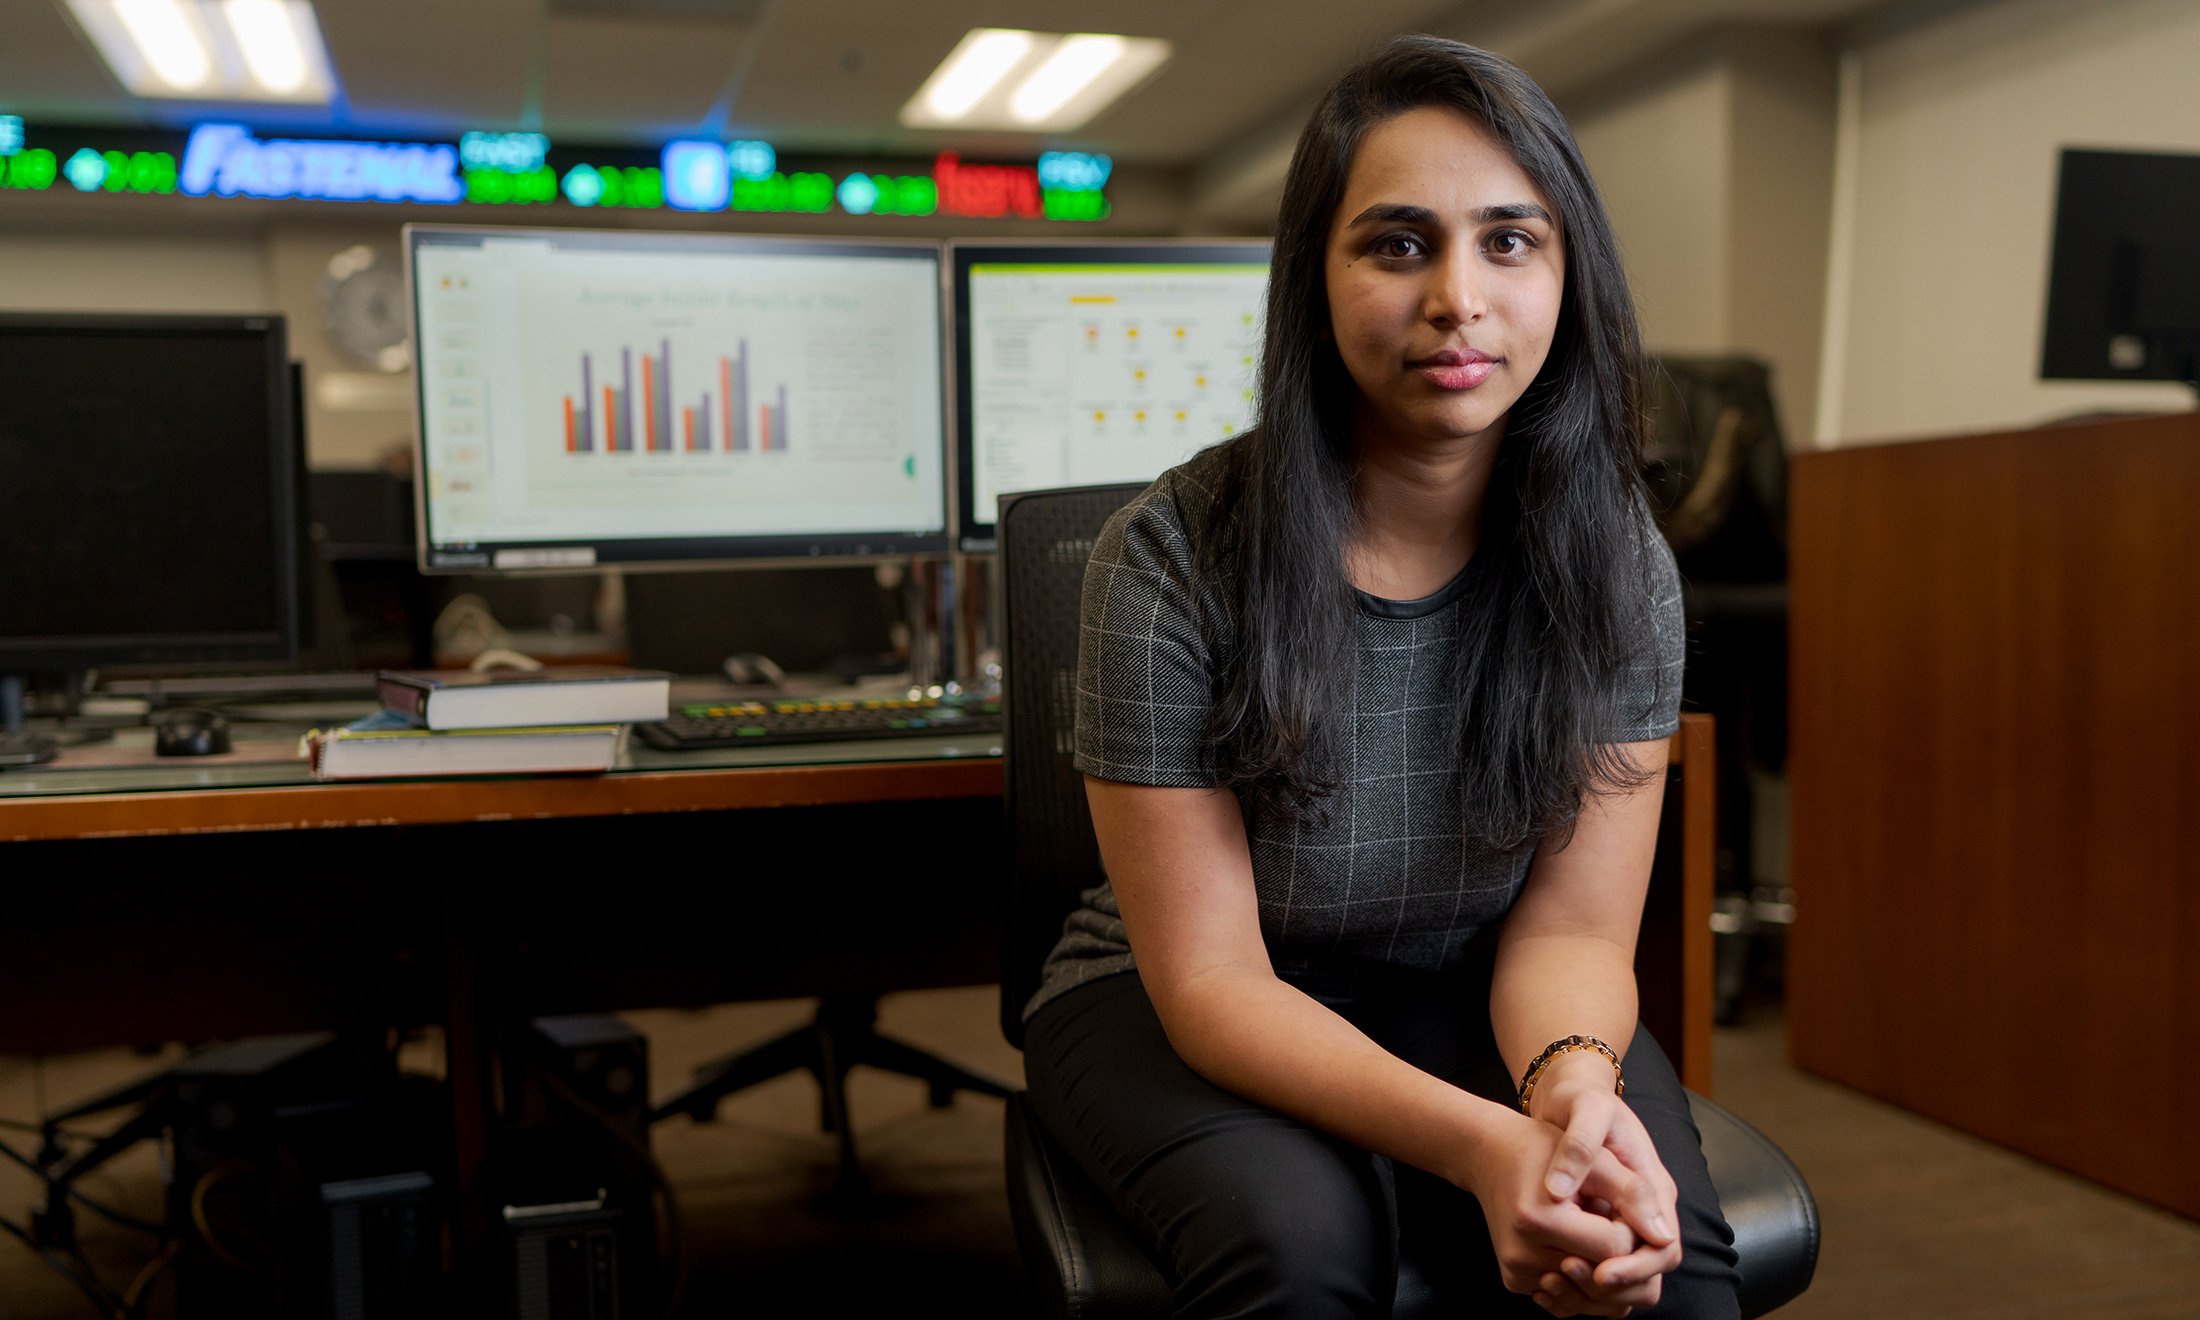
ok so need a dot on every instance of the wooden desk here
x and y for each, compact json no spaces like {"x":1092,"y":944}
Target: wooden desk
{"x":262,"y":902}
{"x":656,"y":785}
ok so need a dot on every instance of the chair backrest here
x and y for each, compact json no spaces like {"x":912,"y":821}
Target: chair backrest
{"x":1044,"y":539}
{"x":1716,"y":464}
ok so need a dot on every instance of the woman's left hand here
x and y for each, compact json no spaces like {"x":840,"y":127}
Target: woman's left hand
{"x":1580,"y":1101}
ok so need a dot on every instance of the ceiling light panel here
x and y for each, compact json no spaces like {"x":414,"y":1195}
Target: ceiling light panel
{"x":1033,"y":82}
{"x":211,"y":50}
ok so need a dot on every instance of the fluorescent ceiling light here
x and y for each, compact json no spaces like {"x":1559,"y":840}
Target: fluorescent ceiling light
{"x":168,"y":40}
{"x":1001,"y":78}
{"x":211,"y":50}
{"x":975,"y":67}
{"x":1069,"y":70}
{"x":272,"y":51}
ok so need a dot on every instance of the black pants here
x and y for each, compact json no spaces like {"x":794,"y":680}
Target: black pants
{"x":1251,"y":1213}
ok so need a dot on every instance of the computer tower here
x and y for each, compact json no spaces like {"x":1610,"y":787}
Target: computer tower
{"x":574,"y":1180}
{"x":360,"y":1210}
{"x":304,"y":1183}
{"x":565,"y":1260}
{"x":580,"y":1071}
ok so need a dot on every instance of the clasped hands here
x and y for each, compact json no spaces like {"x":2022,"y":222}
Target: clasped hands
{"x":1582,"y":1213}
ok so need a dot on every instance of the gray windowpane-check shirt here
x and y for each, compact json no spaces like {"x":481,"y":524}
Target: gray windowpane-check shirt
{"x":1389,"y":876}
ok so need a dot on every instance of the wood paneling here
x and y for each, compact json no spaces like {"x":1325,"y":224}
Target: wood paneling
{"x":1996,"y":701}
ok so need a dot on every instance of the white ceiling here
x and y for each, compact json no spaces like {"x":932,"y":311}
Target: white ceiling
{"x":831,"y":75}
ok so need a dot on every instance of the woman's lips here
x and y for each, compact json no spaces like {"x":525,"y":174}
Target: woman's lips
{"x":1455,"y":370}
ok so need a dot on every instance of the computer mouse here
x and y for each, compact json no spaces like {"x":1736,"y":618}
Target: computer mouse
{"x":748,"y":669}
{"x":191,"y":732}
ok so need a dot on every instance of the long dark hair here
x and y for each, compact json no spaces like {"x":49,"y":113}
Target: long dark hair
{"x":1560,"y":579}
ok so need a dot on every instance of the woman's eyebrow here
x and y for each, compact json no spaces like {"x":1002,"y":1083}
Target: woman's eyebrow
{"x":1405,"y":214}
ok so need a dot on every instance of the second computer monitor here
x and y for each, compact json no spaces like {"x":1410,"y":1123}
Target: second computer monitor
{"x":1100,"y":362}
{"x":652,"y":397}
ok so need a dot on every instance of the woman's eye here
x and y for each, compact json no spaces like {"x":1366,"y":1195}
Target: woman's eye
{"x":1398,"y":247}
{"x":1511,"y":244}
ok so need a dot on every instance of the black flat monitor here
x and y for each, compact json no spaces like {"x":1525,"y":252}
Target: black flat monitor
{"x":2123,"y":292}
{"x":1099,"y":362}
{"x":148,"y":493}
{"x":644,"y":398}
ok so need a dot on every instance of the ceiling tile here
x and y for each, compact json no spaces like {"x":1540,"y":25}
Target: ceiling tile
{"x":431,"y":65}
{"x":614,"y":79}
{"x":48,"y":71}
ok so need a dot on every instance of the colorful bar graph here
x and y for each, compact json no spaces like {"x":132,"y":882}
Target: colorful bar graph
{"x":700,"y":426}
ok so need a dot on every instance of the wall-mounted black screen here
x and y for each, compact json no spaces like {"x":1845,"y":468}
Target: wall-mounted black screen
{"x":2123,"y":294}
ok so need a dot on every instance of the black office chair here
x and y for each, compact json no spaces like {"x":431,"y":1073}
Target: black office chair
{"x":1716,"y":465}
{"x":1080,"y":1256}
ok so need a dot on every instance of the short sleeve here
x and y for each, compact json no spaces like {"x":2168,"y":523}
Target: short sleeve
{"x":1650,"y":682}
{"x":1144,"y":669}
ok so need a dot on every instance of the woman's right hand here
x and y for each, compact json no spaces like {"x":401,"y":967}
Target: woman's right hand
{"x":1537,"y":1237}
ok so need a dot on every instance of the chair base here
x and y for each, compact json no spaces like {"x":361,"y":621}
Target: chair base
{"x":843,"y":1035}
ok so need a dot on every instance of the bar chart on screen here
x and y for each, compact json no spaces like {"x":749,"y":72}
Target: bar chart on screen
{"x":641,"y":397}
{"x":690,"y":398}
{"x":717,"y":420}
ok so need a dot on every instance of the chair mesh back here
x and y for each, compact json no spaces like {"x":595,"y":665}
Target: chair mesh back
{"x":1045,"y":537}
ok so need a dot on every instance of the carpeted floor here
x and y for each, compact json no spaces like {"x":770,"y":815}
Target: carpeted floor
{"x":1919,"y":1221}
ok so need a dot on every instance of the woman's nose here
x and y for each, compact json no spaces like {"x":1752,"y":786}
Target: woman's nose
{"x":1456,"y":293}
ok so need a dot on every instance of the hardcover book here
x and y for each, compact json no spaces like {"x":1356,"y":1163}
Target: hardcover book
{"x":374,"y":750}
{"x":513,"y":698}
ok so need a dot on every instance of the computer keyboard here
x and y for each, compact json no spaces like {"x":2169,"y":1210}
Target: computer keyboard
{"x":765,"y":723}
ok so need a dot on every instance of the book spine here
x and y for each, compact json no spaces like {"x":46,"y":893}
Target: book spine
{"x":404,"y":698}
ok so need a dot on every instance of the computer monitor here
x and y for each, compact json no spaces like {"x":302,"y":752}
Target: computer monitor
{"x":1093,"y":363}
{"x":652,"y":398}
{"x":2123,"y":293}
{"x":147,"y":493}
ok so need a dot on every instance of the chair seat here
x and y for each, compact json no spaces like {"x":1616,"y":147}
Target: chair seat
{"x":1084,"y":1263}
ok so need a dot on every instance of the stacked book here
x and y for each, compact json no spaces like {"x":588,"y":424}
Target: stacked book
{"x":560,"y":719}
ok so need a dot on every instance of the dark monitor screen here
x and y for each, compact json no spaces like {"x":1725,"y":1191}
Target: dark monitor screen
{"x":147,"y":491}
{"x":658,"y":397}
{"x":2123,"y":294}
{"x":812,"y":620}
{"x":1095,"y":363}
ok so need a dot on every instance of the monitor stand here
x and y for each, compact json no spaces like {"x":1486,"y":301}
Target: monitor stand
{"x":16,"y":746}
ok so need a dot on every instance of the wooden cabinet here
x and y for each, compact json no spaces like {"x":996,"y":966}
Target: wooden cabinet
{"x":1995,"y":780}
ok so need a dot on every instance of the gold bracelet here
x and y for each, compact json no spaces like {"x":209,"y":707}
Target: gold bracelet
{"x":1568,"y":1046}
